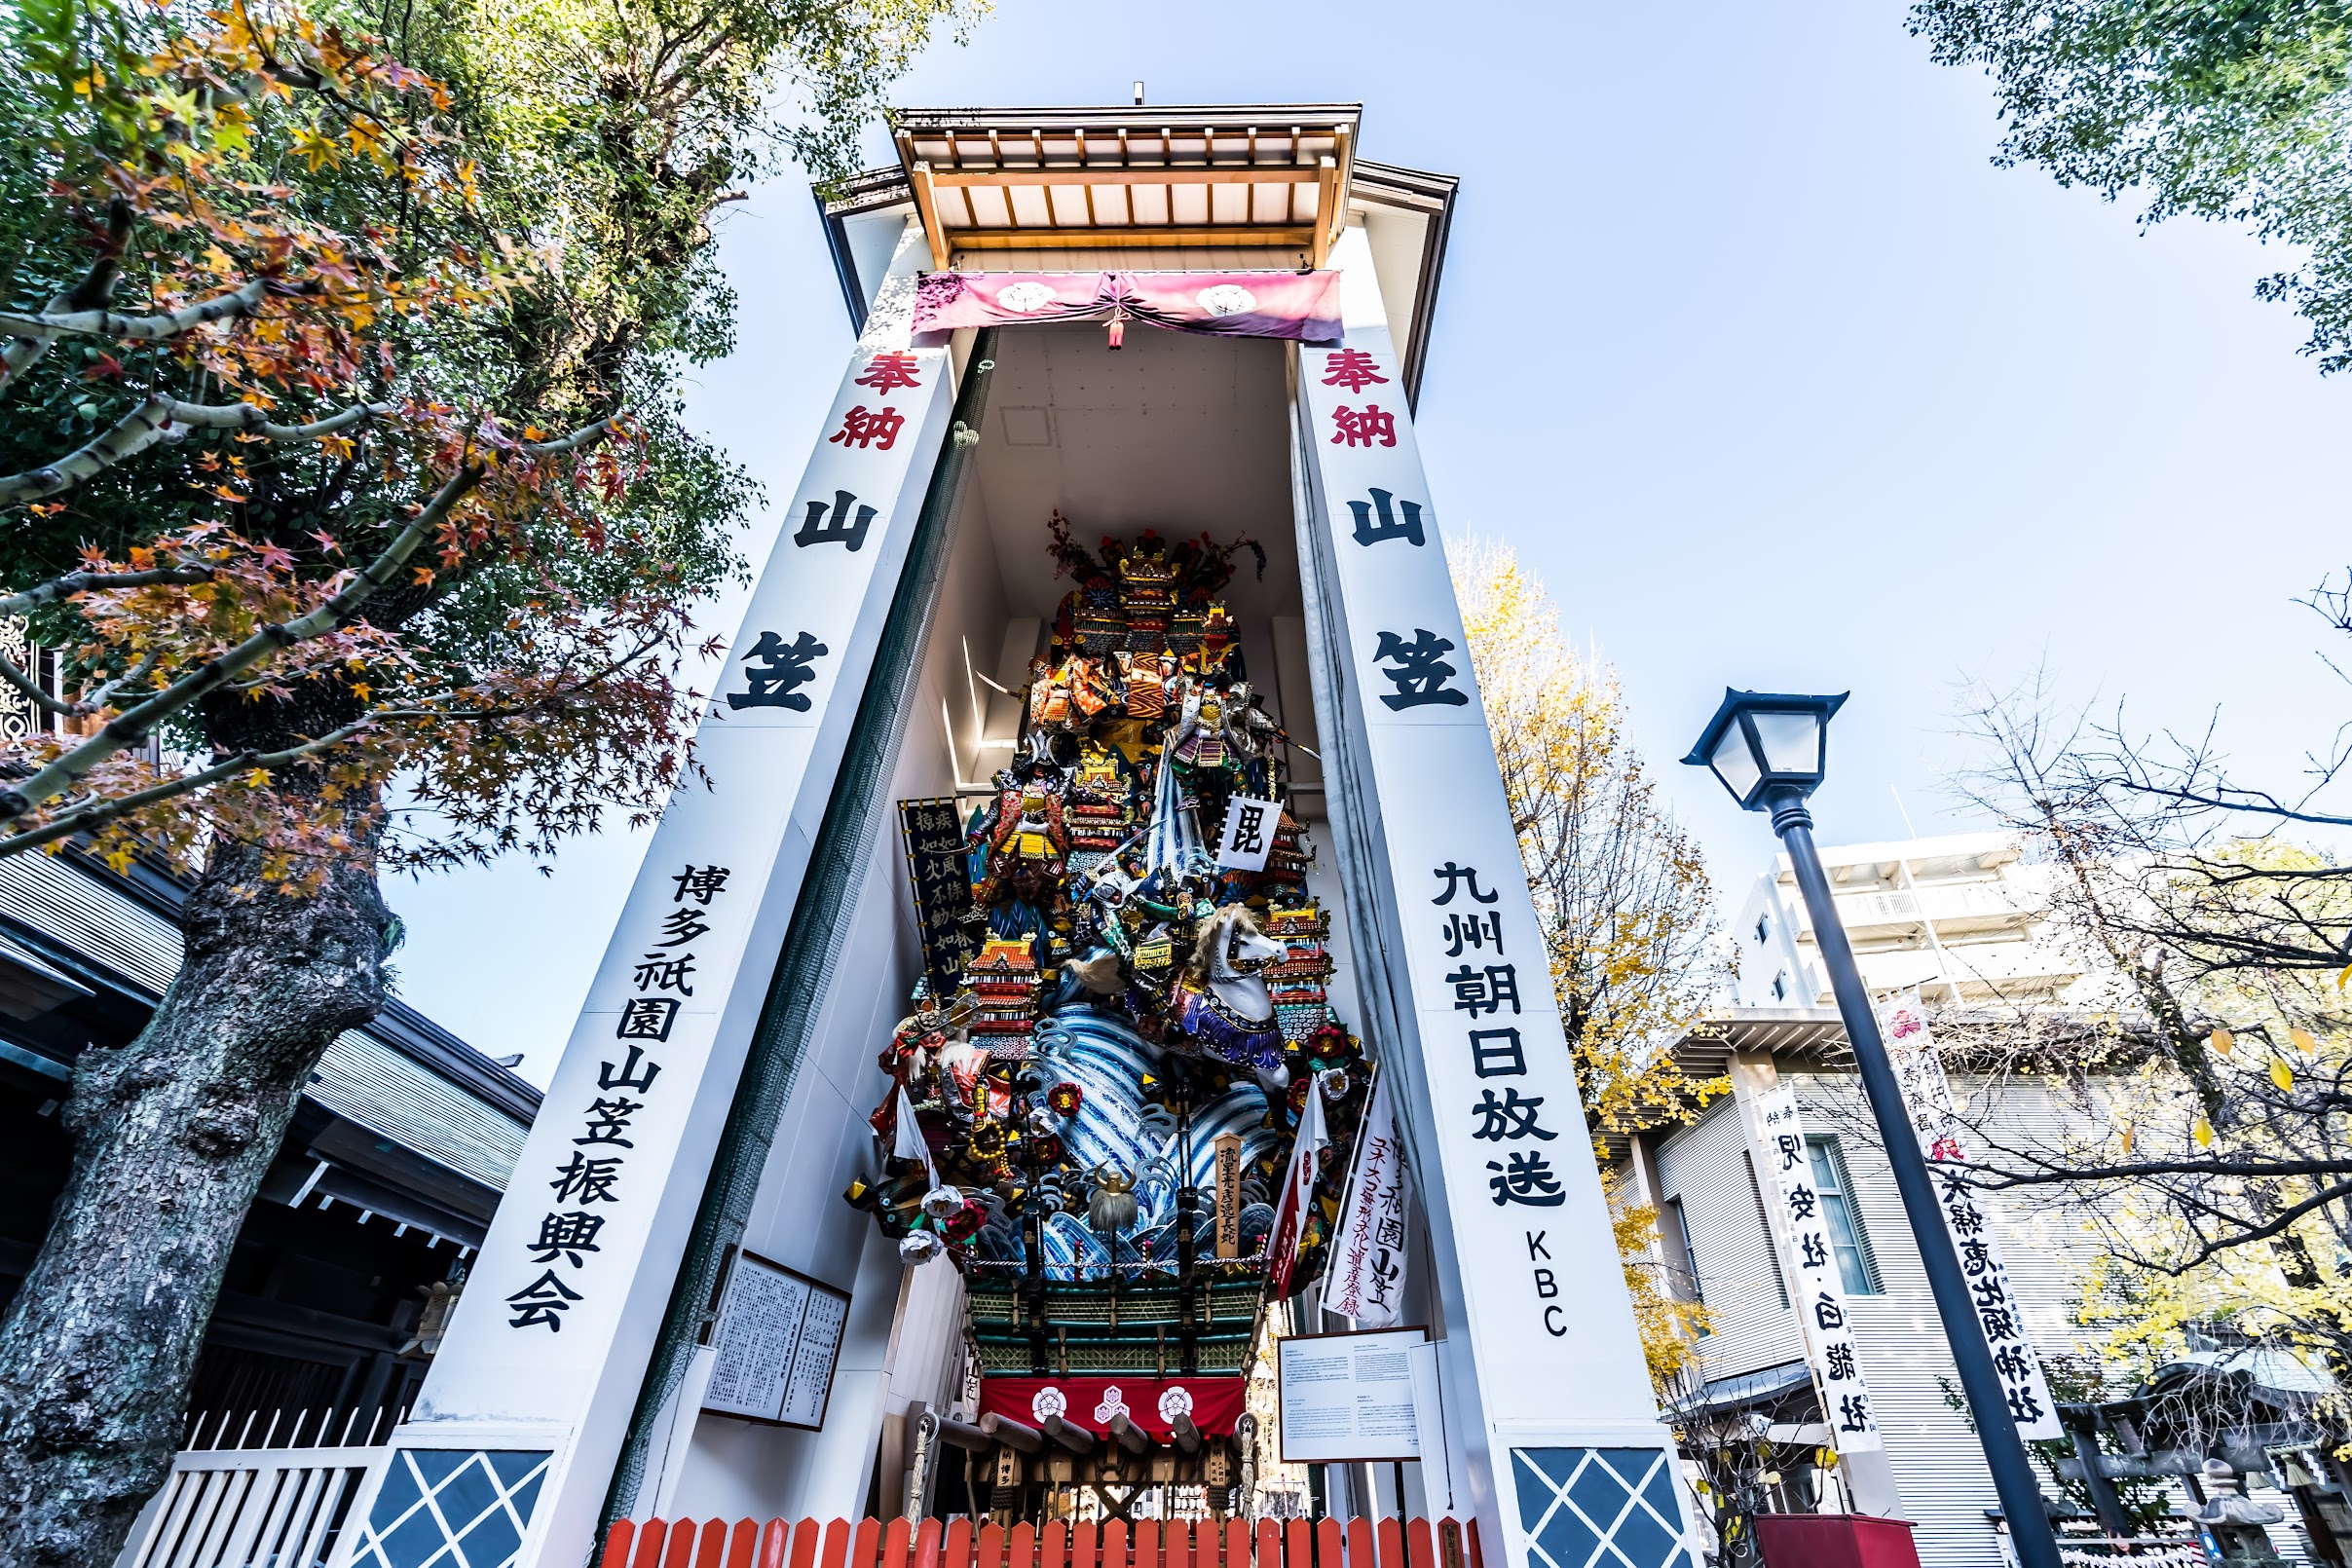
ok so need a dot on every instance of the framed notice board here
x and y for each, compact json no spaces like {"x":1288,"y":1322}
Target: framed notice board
{"x":775,"y":1343}
{"x":1348,"y":1397}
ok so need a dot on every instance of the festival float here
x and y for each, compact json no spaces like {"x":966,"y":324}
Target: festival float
{"x":1093,"y":1120}
{"x":1095,"y":870}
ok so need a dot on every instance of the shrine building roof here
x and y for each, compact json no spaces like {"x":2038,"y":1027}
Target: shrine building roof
{"x":1150,"y":188}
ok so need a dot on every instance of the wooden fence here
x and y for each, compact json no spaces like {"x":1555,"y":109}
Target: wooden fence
{"x":1112,"y":1544}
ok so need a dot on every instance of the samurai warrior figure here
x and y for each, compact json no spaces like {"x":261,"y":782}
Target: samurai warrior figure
{"x":1025,"y":843}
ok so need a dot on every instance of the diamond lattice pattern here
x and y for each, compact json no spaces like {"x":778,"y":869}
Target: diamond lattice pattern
{"x":452,"y":1508}
{"x":1600,"y":1508}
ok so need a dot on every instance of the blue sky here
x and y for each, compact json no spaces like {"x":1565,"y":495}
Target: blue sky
{"x":1745,"y":346}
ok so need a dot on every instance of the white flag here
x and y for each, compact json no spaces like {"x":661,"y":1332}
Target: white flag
{"x":909,"y":1145}
{"x":1366,"y":1278}
{"x":1298,"y":1195}
{"x":1809,"y":1251}
{"x":1248,"y":836}
{"x":1970,"y":1219}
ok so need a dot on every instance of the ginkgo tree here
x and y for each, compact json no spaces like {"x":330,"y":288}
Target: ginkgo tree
{"x":342,"y":476}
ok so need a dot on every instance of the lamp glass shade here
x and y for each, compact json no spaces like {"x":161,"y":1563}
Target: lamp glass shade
{"x":1791,"y":741}
{"x":1733,"y":764}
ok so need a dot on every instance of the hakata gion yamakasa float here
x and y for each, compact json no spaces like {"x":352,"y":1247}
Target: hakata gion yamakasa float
{"x":1095,"y":951}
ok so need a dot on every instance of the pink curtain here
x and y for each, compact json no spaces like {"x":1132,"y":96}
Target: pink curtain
{"x":1253,"y":305}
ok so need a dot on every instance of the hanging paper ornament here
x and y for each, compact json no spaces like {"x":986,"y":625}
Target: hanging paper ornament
{"x":920,"y":1246}
{"x":964,"y":1225}
{"x":1064,"y":1098}
{"x":941,"y":1202}
{"x":1334,"y":1083}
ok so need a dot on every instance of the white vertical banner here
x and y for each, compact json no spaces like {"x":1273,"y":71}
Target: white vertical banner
{"x":1809,"y":1253}
{"x":1365,"y":1282}
{"x":1545,"y":1389}
{"x":546,"y":1357}
{"x":1970,"y":1219}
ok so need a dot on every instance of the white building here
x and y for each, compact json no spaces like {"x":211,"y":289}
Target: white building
{"x":1961,"y":916}
{"x":1966,"y":921}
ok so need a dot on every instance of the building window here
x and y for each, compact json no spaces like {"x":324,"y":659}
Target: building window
{"x":1763,"y":928}
{"x":1682,"y":1263}
{"x":1857,"y":1268}
{"x":1781,"y":987}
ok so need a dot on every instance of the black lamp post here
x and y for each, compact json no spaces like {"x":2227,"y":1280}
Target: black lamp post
{"x":1770,"y":751}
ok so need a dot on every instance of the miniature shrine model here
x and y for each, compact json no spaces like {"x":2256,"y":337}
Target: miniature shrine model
{"x":1083,"y":1049}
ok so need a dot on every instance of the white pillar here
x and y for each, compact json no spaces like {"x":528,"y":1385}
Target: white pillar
{"x":1561,"y":1448}
{"x":529,"y":1399}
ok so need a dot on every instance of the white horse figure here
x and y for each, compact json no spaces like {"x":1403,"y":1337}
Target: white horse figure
{"x":1222,"y":1008}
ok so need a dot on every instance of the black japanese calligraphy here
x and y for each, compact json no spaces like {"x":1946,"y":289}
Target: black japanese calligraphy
{"x":1477,"y":992}
{"x":568,"y":1236}
{"x":1463,"y":931}
{"x":701,"y":883}
{"x":658,"y":971}
{"x":1497,"y":1054}
{"x":1456,"y":878}
{"x":1510,"y":1118}
{"x":1421,"y":673}
{"x":636,"y":1073}
{"x":541,"y":1303}
{"x":1387,"y":506}
{"x":647,"y":1018}
{"x":779,"y":669}
{"x":844,"y":528}
{"x":682,"y":926}
{"x":585,"y":1180}
{"x":608,"y":1119}
{"x":1525,"y":1177}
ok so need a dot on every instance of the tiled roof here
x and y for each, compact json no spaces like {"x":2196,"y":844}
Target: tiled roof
{"x":85,"y":920}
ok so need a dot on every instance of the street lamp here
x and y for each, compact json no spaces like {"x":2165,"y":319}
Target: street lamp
{"x":1771,"y":750}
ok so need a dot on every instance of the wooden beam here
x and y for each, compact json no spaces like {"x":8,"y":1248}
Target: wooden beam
{"x":1011,"y":1432}
{"x":1132,"y":237}
{"x":927,"y":204}
{"x":1337,"y":217}
{"x":1070,"y":1434}
{"x":1326,"y":197}
{"x":1134,"y":175}
{"x":1131,"y":1438}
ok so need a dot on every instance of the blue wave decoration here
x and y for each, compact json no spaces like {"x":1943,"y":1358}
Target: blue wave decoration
{"x":1101,"y":1052}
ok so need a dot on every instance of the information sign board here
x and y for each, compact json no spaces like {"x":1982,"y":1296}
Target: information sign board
{"x":775,"y":1344}
{"x":1348,"y":1397}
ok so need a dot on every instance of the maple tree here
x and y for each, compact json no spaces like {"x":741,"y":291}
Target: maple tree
{"x":343,"y":477}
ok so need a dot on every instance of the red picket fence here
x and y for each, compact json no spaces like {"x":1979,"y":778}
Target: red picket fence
{"x":1112,"y":1544}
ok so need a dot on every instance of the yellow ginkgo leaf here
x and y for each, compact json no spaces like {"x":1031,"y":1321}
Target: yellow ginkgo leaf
{"x":2129,"y":1133}
{"x":2282,"y":1075}
{"x":2222,"y":1040}
{"x":2202,"y":1130}
{"x":2343,"y":977}
{"x":2301,"y":1040}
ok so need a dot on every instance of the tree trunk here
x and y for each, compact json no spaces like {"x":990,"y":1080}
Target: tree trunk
{"x":173,"y":1134}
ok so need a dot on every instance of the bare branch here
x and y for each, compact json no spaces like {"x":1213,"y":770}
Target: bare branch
{"x":251,"y":417}
{"x":46,"y":326}
{"x":73,"y":582}
{"x":150,"y":422}
{"x":98,"y":813}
